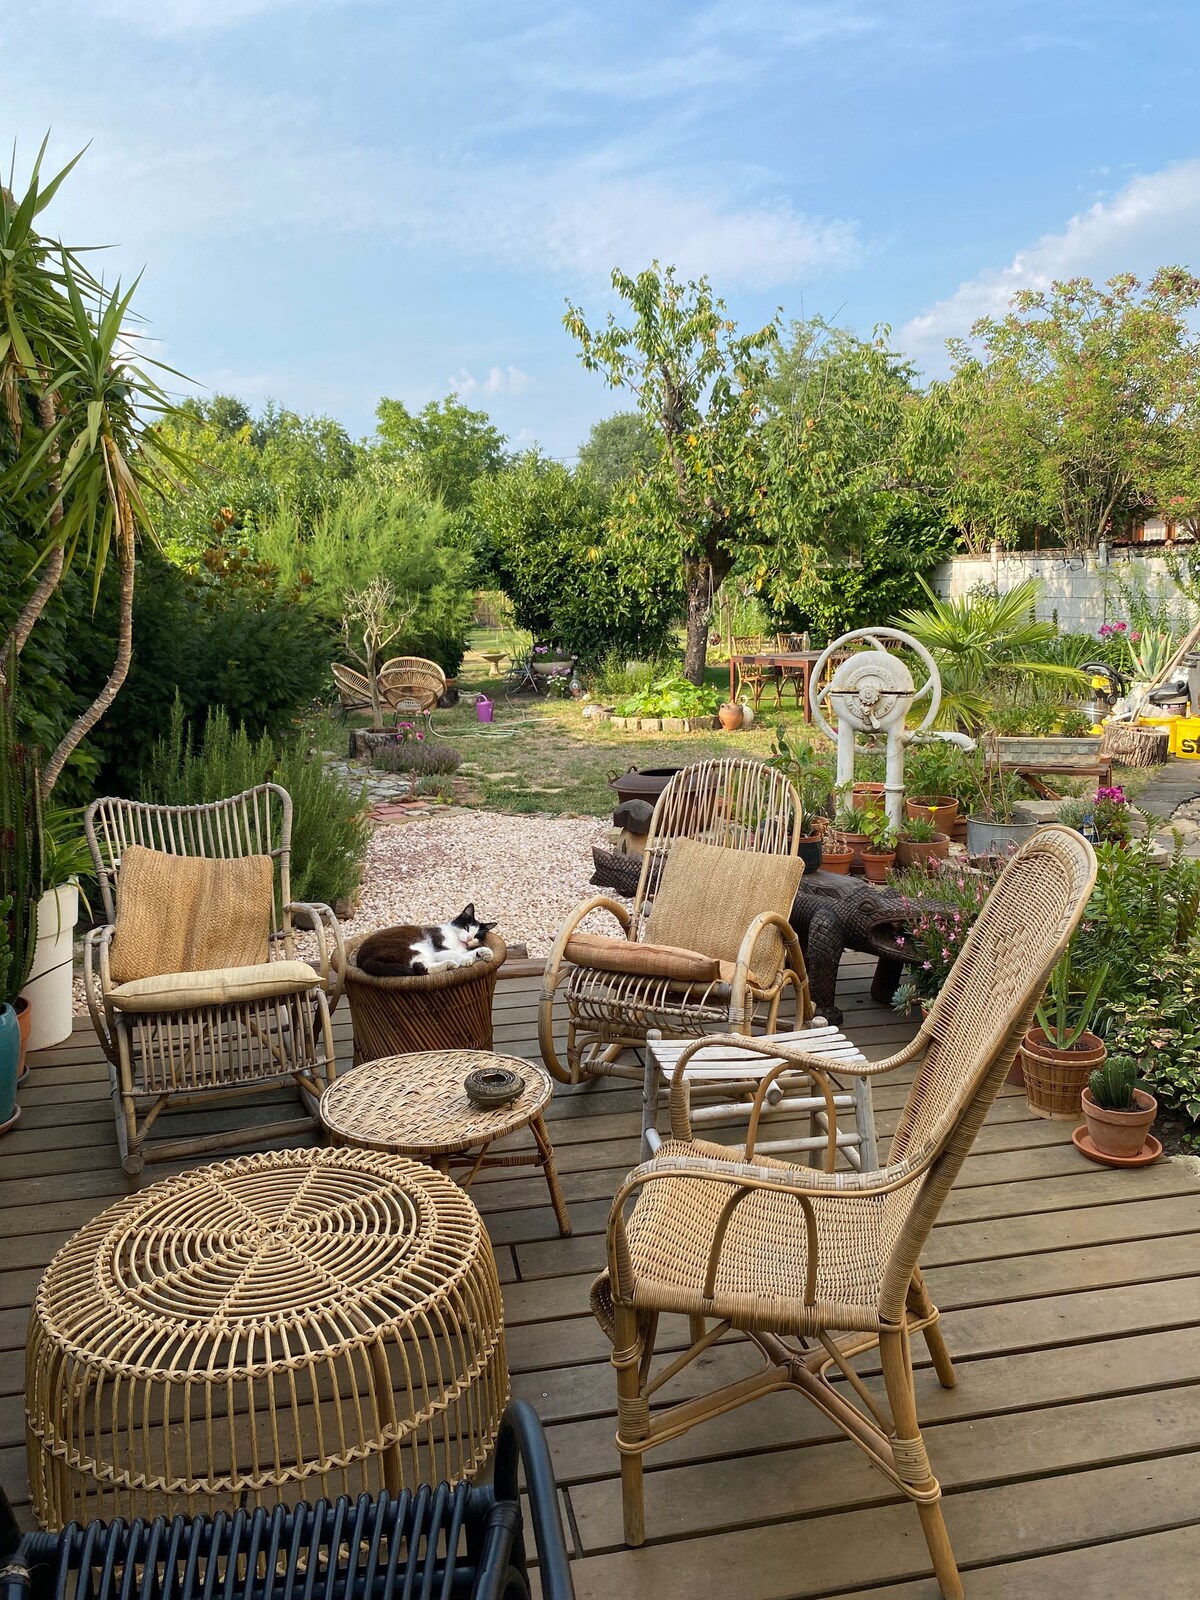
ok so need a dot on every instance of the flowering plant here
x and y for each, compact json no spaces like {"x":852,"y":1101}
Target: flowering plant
{"x":406,"y":733}
{"x":942,"y":900}
{"x":1110,"y":814}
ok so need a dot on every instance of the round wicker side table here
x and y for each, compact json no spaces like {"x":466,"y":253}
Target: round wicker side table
{"x":416,"y":1105}
{"x":441,"y":1011}
{"x":275,"y":1328}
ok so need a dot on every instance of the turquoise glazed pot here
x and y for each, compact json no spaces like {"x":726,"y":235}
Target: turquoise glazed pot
{"x":10,"y":1050}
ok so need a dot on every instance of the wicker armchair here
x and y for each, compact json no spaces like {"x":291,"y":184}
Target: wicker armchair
{"x":817,"y":1268}
{"x":721,"y":863}
{"x":233,"y":1011}
{"x":354,"y":690}
{"x":412,"y":684}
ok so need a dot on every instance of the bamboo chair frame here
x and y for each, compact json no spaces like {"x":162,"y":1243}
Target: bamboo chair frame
{"x":818,"y":1268}
{"x":741,"y":805}
{"x":227,"y":1050}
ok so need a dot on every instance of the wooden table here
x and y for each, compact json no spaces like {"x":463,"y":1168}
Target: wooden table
{"x":724,"y":1069}
{"x":787,"y":663}
{"x":415,"y":1105}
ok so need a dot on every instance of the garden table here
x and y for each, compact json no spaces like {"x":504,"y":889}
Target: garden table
{"x":281,"y":1327}
{"x":725,"y":1069}
{"x":788,"y":665}
{"x":416,"y":1105}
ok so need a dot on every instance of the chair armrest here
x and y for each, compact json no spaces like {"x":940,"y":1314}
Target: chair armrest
{"x":321,"y":920}
{"x":96,"y":944}
{"x":598,"y":902}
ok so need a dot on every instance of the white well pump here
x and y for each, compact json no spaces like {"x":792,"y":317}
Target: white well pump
{"x":872,"y":691}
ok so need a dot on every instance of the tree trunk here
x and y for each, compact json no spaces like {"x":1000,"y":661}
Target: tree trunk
{"x":88,"y":719}
{"x":698,"y":586}
{"x":53,"y":567}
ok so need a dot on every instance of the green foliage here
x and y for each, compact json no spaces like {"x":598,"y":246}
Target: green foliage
{"x":1069,"y":1003}
{"x":418,"y":756}
{"x":1138,"y":913}
{"x":66,"y":857}
{"x":21,"y":863}
{"x":810,"y":770}
{"x":1074,"y":724}
{"x":879,"y":831}
{"x":937,"y":768}
{"x":944,"y":899}
{"x":1112,"y":1085}
{"x":919,"y":830}
{"x":619,"y":449}
{"x":574,"y":581}
{"x":616,"y":675}
{"x":673,"y":696}
{"x":1157,"y":1020}
{"x":442,"y":450}
{"x":330,"y":824}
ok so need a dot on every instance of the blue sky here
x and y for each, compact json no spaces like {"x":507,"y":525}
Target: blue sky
{"x":337,"y":199}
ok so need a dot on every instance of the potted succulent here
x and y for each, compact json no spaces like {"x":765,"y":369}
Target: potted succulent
{"x":919,"y":840}
{"x":48,"y":989}
{"x":21,"y":881}
{"x":1059,"y":1054}
{"x":836,"y":855}
{"x":879,"y":854}
{"x":1119,"y":1115}
{"x":10,"y":1033}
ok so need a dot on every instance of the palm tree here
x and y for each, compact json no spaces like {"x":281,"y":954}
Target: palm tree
{"x":988,"y":647}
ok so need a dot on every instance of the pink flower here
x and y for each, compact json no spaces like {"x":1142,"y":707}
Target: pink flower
{"x":1134,"y":637}
{"x":927,"y":966}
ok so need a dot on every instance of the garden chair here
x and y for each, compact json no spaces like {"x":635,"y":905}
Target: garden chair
{"x":816,"y":1268}
{"x":354,"y":690}
{"x":793,"y":676}
{"x":192,"y":984}
{"x":411,"y":685}
{"x":752,"y":676}
{"x":714,"y":950}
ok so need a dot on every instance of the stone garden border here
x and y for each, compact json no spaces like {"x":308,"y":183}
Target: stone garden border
{"x":662,"y":724}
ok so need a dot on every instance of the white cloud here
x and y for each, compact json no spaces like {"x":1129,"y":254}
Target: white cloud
{"x":166,"y":19}
{"x":1152,"y":221}
{"x":499,"y":380}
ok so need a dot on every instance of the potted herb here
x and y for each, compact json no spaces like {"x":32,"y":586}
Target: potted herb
{"x":810,"y":772}
{"x":1119,"y":1115}
{"x":879,"y":854}
{"x":919,"y":840}
{"x":21,"y":881}
{"x":1058,"y":1054}
{"x":10,"y":1033}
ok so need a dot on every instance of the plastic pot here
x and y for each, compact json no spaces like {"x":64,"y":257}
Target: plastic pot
{"x":1120,"y":1133}
{"x":49,"y":988}
{"x":10,"y":1051}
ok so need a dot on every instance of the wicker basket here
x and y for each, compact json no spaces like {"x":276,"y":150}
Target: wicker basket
{"x":444,"y":1011}
{"x":1131,"y":745}
{"x":1055,"y":1079}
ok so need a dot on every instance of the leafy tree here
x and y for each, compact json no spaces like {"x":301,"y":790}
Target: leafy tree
{"x":702,"y":387}
{"x":545,"y":536}
{"x":618,"y":448}
{"x":441,"y":449}
{"x":1077,"y":391}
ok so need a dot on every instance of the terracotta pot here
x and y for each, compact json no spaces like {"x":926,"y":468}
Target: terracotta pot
{"x":877,"y":867}
{"x":856,"y":843}
{"x":836,"y":860}
{"x":24,"y":1022}
{"x":940,"y":809}
{"x":1055,"y":1079}
{"x":868,"y":797}
{"x":1120,"y":1133}
{"x":730,"y":717}
{"x":911,"y":852}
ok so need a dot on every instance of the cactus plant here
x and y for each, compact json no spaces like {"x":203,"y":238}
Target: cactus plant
{"x":20,"y":838}
{"x":1112,"y":1085}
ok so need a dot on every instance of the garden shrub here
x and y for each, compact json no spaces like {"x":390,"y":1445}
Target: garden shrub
{"x":673,"y":696}
{"x":330,"y":825}
{"x":418,"y":756}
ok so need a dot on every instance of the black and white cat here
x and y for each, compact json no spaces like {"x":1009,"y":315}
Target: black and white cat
{"x":413,"y":952}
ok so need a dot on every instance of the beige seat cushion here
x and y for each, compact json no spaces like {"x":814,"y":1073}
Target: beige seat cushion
{"x":708,"y":895}
{"x":189,"y":913}
{"x":600,"y":954}
{"x":182,"y":991}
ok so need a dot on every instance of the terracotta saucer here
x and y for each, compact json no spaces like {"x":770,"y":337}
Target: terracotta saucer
{"x":1150,"y":1151}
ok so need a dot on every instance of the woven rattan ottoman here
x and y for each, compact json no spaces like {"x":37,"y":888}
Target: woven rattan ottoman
{"x":449,"y":1010}
{"x":416,"y":1105}
{"x":276,"y":1328}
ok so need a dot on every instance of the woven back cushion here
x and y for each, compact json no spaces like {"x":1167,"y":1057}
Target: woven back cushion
{"x":189,"y":914}
{"x":646,"y":960}
{"x":708,"y":895}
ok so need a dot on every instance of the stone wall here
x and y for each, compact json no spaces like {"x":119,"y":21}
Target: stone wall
{"x":1077,"y":586}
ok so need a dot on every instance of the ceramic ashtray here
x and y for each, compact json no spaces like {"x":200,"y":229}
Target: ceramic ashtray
{"x":489,"y":1087}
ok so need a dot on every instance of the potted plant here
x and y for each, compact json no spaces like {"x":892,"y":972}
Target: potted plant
{"x":848,"y":826}
{"x":880,"y":852}
{"x":992,"y":828}
{"x":932,"y":773}
{"x":809,"y":771}
{"x":1058,"y":1054}
{"x":1119,"y":1115}
{"x":21,"y":855}
{"x":836,"y":855}
{"x":48,"y":989}
{"x":919,"y":840}
{"x":1112,"y":816}
{"x":10,"y":1033}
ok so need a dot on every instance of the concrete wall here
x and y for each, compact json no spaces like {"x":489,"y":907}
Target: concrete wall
{"x":1076,"y":586}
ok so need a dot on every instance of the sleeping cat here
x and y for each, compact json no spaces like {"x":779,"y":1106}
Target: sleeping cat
{"x":413,"y":952}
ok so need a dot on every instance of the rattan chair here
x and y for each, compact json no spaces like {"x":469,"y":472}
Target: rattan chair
{"x":234,"y":1026}
{"x":354,"y":690}
{"x":411,"y":684}
{"x":745,"y":810}
{"x":752,"y":676}
{"x":816,"y":1268}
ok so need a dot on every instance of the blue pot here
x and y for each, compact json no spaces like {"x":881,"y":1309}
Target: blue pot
{"x":10,"y":1051}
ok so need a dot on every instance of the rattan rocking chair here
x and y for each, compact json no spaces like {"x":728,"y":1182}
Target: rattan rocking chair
{"x":722,"y":865}
{"x":816,"y":1268}
{"x":223,"y":1022}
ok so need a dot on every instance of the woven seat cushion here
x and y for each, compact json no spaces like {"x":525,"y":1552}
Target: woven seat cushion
{"x":709,"y":895}
{"x":189,"y":913}
{"x":182,"y":991}
{"x":647,"y":960}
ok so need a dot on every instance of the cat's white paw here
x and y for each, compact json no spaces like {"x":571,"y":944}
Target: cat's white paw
{"x":483,"y":954}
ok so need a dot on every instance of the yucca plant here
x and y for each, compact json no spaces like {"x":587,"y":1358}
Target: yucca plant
{"x":20,"y":839}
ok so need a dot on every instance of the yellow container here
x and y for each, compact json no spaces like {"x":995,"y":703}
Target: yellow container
{"x":1185,"y":738}
{"x":1169,"y":723}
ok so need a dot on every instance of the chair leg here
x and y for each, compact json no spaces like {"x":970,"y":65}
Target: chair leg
{"x":912,"y":1464}
{"x":921,"y":1305}
{"x":633,"y":1419}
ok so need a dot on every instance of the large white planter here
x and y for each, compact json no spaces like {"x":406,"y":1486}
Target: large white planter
{"x":49,"y":991}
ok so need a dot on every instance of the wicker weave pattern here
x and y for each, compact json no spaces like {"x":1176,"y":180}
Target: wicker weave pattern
{"x":740,"y":806}
{"x":410,"y":683}
{"x":449,"y":1010}
{"x":227,"y":1048}
{"x":303,"y":1323}
{"x":785,"y":1253}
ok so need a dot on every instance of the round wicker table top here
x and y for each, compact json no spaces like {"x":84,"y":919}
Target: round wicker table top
{"x":417,"y":1105}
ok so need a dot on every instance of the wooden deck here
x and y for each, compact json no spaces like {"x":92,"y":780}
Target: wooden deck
{"x":1070,"y":1451}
